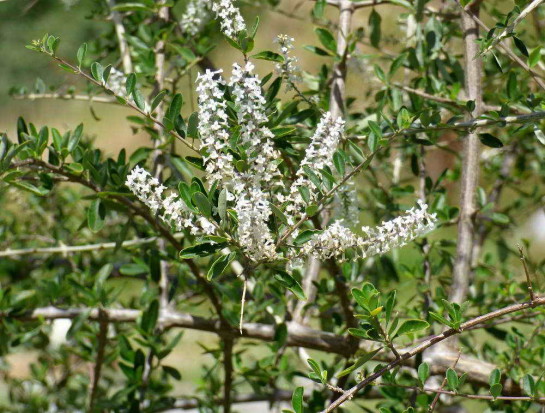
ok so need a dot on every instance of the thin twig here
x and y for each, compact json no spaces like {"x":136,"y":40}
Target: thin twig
{"x":436,"y":398}
{"x":528,"y":278}
{"x":511,"y":28}
{"x":127,"y":102}
{"x":66,"y":96}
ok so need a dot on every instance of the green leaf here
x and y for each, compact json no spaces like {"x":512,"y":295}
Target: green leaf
{"x":130,"y":83}
{"x":535,"y":57}
{"x":270,"y":56}
{"x":304,"y":236}
{"x":452,"y":380}
{"x":201,"y":250}
{"x":291,"y":284}
{"x":171,"y":371}
{"x":158,"y":99}
{"x":150,"y":317}
{"x":103,"y":274}
{"x":203,"y":204}
{"x":490,"y":140}
{"x":318,"y":10}
{"x":359,"y":362}
{"x":175,"y":106}
{"x":440,"y":318}
{"x":97,"y":71}
{"x":27,"y":186}
{"x":374,"y":25}
{"x":193,"y":125}
{"x":529,"y":385}
{"x":327,"y":39}
{"x":338,"y":161}
{"x":495,"y":377}
{"x":297,"y":400}
{"x":423,"y":372}
{"x":521,"y":46}
{"x":95,"y":215}
{"x":495,"y":390}
{"x":219,"y":266}
{"x":222,"y":204}
{"x":139,"y":99}
{"x":411,"y":326}
{"x":75,"y":138}
{"x":82,"y":51}
{"x":317,"y":370}
{"x":132,"y":269}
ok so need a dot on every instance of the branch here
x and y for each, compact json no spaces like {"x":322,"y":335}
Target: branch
{"x":299,"y":336}
{"x":120,"y":33}
{"x":66,"y":96}
{"x":467,"y":124}
{"x":539,"y":301}
{"x":278,"y":395}
{"x":470,"y":165}
{"x":149,"y":116}
{"x":464,"y":395}
{"x":65,"y":249}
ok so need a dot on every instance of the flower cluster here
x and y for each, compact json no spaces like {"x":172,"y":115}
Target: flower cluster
{"x":170,"y":208}
{"x":213,"y":128}
{"x":245,"y":164}
{"x":231,"y":20}
{"x":255,"y":137}
{"x":336,"y":239}
{"x":248,"y":185}
{"x":195,"y":15}
{"x":288,"y":69}
{"x":318,"y":155}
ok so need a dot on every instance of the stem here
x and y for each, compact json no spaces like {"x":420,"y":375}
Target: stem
{"x":228,"y":369}
{"x":470,"y":165}
{"x":102,"y":338}
{"x":436,"y":398}
{"x":526,"y":273}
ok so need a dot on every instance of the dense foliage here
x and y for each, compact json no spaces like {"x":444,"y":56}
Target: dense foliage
{"x":349,"y":236}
